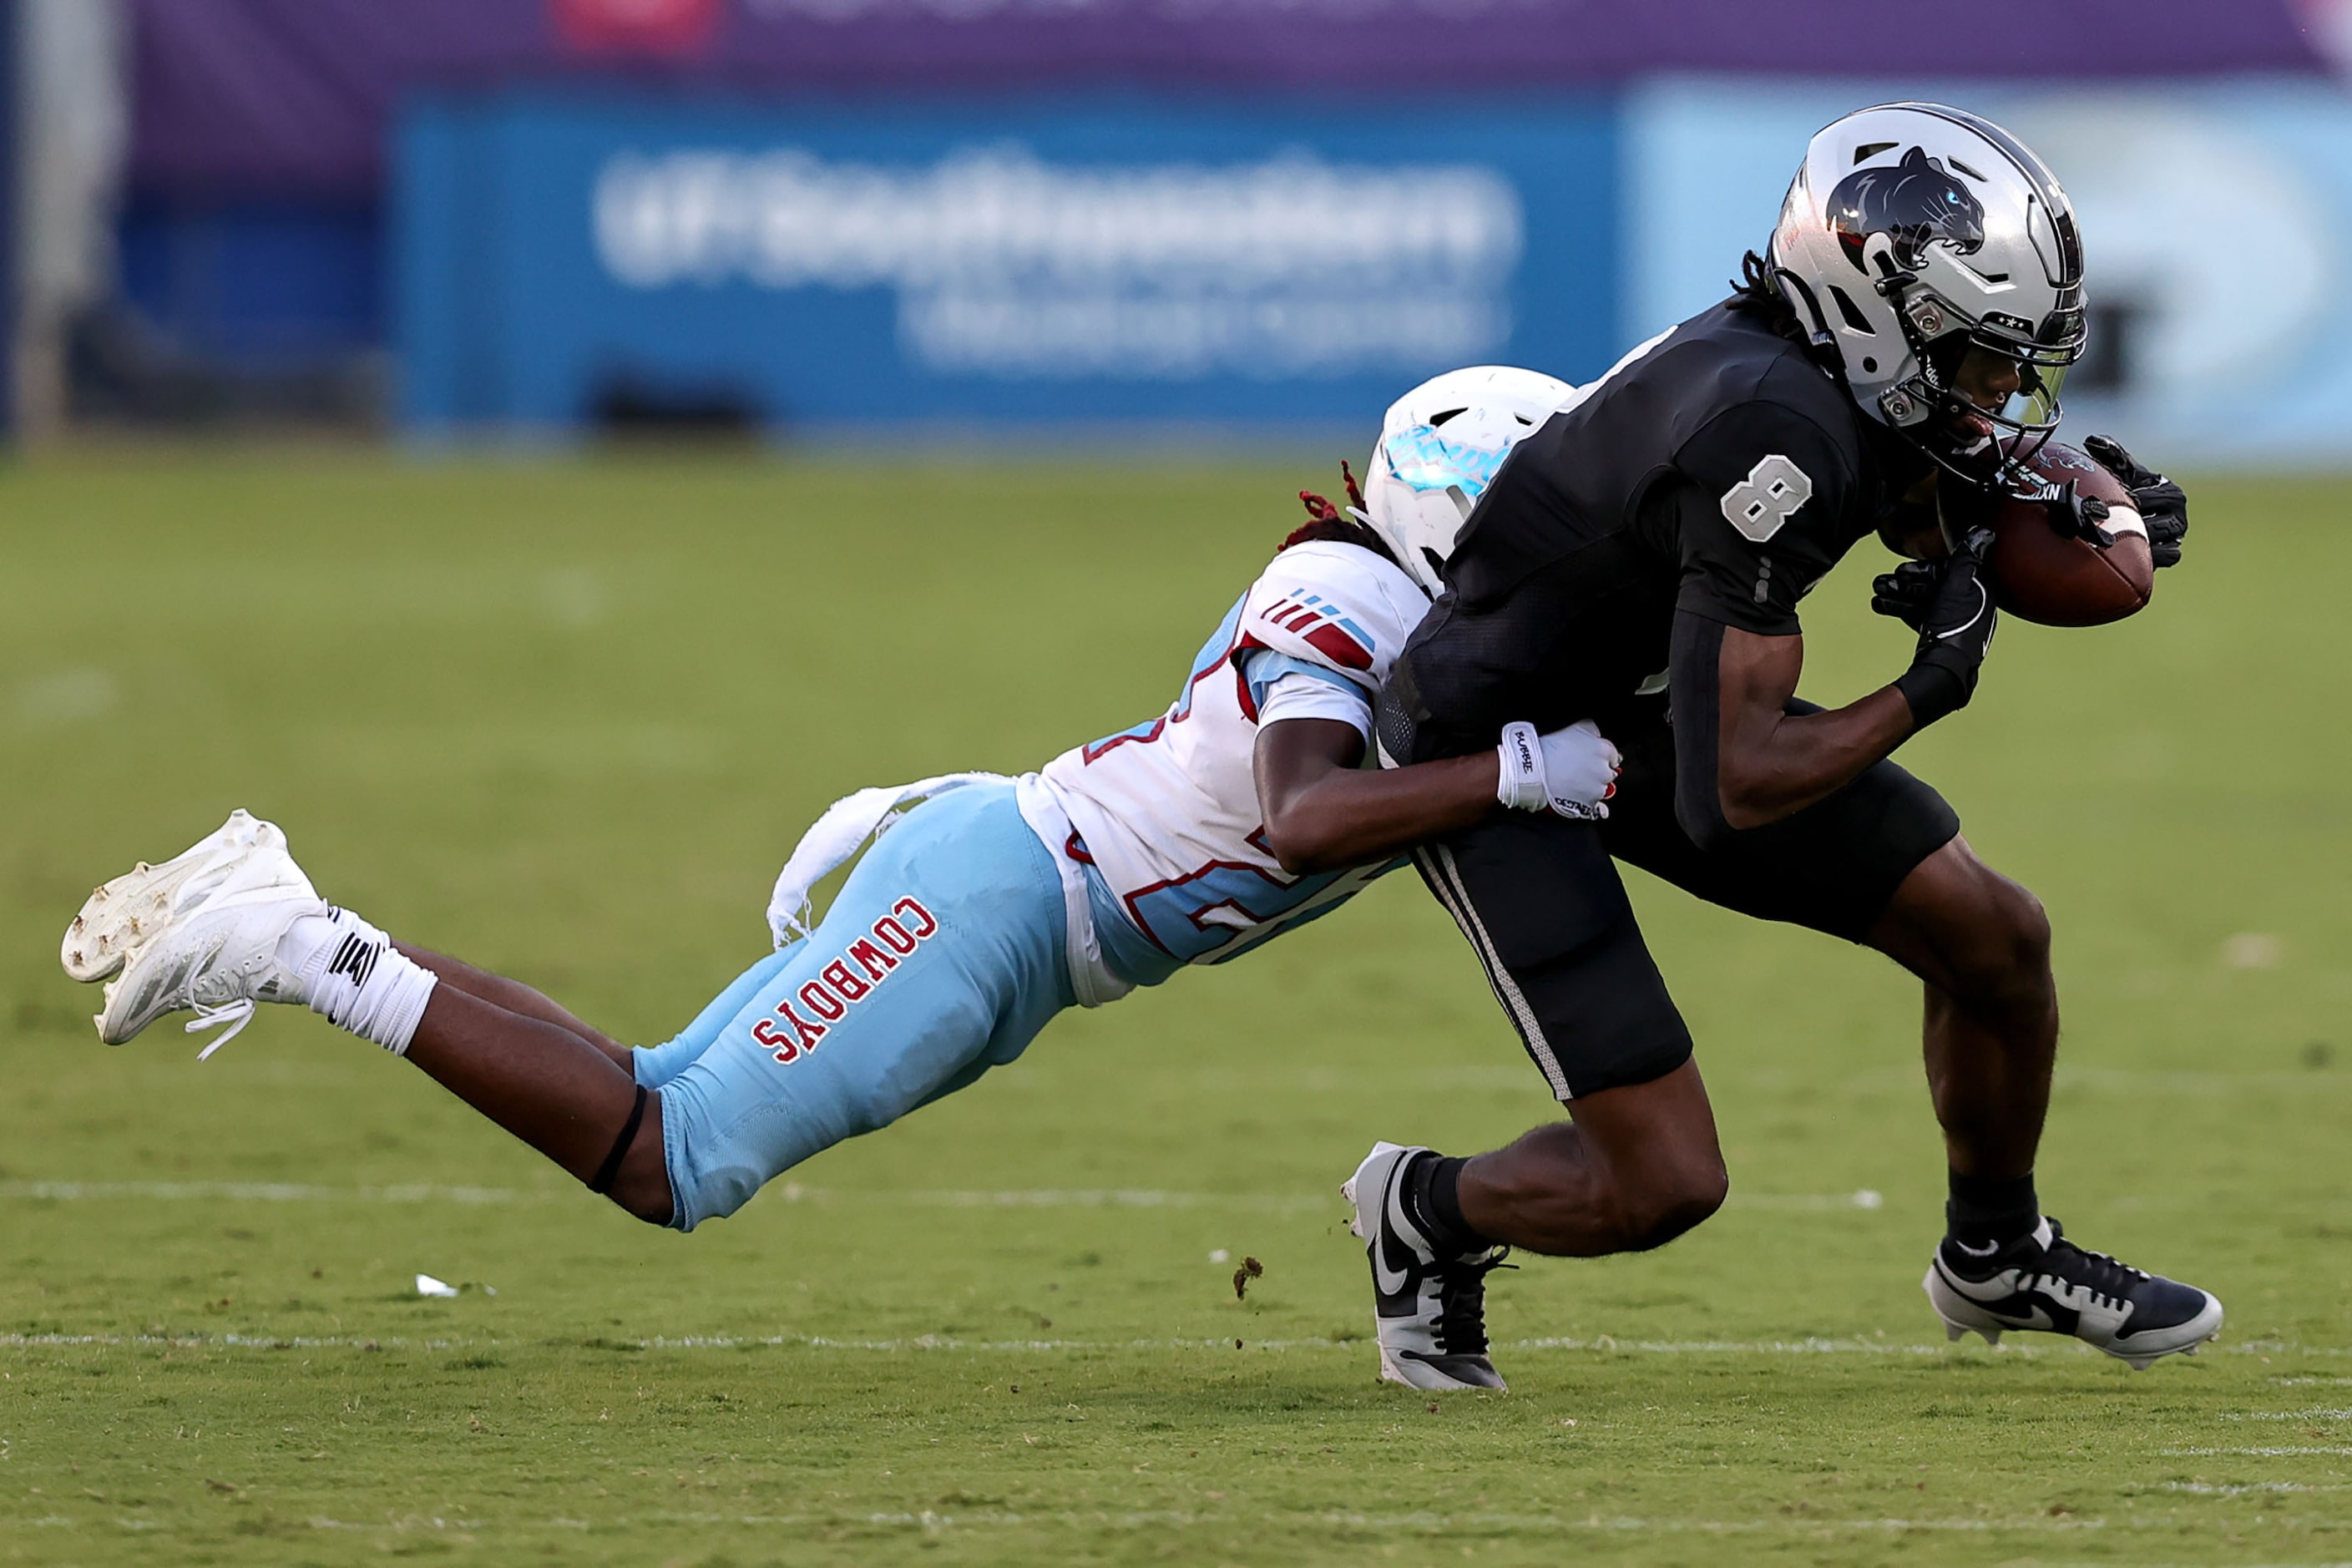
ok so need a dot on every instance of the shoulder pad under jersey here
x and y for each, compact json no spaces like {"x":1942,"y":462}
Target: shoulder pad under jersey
{"x":1334,"y":605}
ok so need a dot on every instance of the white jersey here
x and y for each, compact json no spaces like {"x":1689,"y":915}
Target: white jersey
{"x":1167,"y":813}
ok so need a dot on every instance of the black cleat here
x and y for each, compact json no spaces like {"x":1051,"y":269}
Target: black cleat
{"x":1430,"y":1312}
{"x":2046,"y":1282}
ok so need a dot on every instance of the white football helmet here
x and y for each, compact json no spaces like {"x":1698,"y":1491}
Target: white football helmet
{"x":1439,"y":446}
{"x":1914,"y":232}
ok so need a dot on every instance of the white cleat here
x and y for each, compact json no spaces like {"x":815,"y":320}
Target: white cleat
{"x":138,"y":903}
{"x":216,"y":950}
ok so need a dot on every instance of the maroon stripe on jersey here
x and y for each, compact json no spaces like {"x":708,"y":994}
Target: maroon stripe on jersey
{"x":1339,"y":646}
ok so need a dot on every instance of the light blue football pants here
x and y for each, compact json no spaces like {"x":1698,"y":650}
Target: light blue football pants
{"x":943,"y":957}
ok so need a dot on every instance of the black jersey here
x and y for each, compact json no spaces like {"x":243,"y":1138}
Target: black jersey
{"x":1721,"y":472}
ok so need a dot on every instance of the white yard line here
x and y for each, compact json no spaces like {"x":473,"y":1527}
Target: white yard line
{"x":2247,"y":1488}
{"x":2249,"y":1453}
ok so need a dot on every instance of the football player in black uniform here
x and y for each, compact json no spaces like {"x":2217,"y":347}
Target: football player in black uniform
{"x":1639,"y":561}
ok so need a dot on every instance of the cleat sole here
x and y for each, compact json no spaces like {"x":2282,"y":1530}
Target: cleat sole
{"x":2141,"y":1363}
{"x":200,"y":946}
{"x":1955,"y":1329}
{"x":1423,"y":1378}
{"x":123,"y":914}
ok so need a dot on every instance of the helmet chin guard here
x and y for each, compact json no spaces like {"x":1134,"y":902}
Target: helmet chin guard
{"x":1439,"y":446}
{"x":1913,"y":233}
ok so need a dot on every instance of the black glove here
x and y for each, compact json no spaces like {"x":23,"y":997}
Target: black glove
{"x":2161,"y":504}
{"x":1905,"y":591}
{"x":2071,"y":515}
{"x":1951,"y":607}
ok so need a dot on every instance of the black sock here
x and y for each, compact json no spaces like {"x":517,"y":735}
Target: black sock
{"x":1992,"y":1211}
{"x":1433,"y":1193}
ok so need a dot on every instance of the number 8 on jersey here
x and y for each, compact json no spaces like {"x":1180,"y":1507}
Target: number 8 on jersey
{"x":1770,"y":494}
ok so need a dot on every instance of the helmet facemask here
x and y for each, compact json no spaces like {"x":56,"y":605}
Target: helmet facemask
{"x":1981,"y":444}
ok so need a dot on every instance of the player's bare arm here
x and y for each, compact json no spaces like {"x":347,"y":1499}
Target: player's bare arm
{"x":1325,"y":811}
{"x":1771,"y":762}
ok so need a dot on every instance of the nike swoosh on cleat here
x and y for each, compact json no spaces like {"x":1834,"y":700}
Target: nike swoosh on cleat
{"x":1388,"y":1280}
{"x":1969,"y":1291}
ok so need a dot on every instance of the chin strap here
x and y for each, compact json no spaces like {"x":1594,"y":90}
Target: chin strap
{"x":1820,"y":342}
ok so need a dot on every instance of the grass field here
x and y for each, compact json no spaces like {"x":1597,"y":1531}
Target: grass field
{"x":565,"y":719}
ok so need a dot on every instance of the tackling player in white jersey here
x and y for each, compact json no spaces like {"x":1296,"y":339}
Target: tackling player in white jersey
{"x":990,"y":906}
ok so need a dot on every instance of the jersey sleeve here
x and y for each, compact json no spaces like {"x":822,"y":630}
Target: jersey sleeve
{"x":1304,"y":692}
{"x":1761,"y":517}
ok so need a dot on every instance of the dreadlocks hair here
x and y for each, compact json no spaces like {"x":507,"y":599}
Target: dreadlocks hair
{"x":1325,"y":520}
{"x":1757,"y":289}
{"x":1341,"y":530}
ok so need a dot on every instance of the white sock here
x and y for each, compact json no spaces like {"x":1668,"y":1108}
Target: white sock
{"x":354,"y":977}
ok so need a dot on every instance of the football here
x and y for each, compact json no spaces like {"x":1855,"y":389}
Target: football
{"x":2039,"y":575}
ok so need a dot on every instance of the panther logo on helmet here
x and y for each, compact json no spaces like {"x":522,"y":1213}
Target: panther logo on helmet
{"x":1916,"y":201}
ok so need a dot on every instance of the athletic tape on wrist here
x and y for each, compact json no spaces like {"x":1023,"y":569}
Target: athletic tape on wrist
{"x":1521,"y":786}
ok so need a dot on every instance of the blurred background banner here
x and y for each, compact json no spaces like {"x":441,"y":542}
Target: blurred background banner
{"x":479,"y":216}
{"x":1035,"y":262}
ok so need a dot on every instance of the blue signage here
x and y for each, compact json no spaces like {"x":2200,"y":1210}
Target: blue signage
{"x":1217,"y":262}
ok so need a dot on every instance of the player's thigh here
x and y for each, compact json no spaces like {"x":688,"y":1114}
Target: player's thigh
{"x":943,"y":956}
{"x":1834,"y":867}
{"x":809,"y":1062}
{"x":1547,"y":914}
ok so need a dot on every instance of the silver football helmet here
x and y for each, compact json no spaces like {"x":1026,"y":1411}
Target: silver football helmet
{"x":1913,"y":233}
{"x":1439,"y":446}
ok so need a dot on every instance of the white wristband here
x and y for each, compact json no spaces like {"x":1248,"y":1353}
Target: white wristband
{"x":2123,"y":520}
{"x":1521,"y":786}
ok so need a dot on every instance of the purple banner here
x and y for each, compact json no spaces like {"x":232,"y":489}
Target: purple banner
{"x":257,"y":98}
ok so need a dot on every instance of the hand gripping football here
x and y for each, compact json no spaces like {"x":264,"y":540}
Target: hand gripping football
{"x":2041,"y":576}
